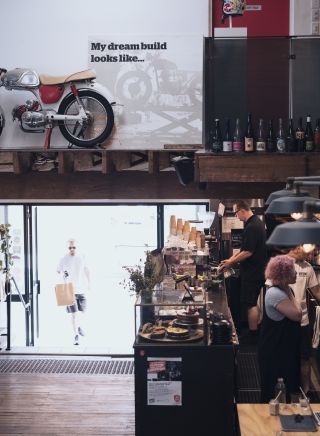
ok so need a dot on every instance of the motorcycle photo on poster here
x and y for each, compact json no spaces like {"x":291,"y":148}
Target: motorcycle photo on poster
{"x":74,"y":103}
{"x":157,"y":82}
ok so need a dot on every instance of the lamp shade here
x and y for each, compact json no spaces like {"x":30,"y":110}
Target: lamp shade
{"x":288,"y":205}
{"x":303,"y":231}
{"x":284,"y":193}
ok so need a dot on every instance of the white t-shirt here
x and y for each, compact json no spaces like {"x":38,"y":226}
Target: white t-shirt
{"x":306,"y":278}
{"x":75,"y":267}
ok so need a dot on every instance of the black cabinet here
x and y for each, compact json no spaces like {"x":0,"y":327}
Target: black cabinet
{"x":201,"y":376}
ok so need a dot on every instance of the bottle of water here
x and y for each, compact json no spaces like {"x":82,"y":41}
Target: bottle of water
{"x":280,"y":391}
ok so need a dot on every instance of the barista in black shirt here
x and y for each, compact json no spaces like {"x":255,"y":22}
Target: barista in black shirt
{"x":252,"y":258}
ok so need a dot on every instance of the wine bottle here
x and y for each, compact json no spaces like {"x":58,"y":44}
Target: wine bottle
{"x":237,"y":137}
{"x":316,"y":136}
{"x":309,"y":135}
{"x":227,"y":143}
{"x":291,"y":144}
{"x":281,"y":143}
{"x":261,"y":140}
{"x":300,"y":136}
{"x":216,"y":137}
{"x":248,"y":137}
{"x":271,"y":142}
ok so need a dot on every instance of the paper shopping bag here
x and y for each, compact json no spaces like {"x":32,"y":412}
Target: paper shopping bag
{"x":65,"y":294}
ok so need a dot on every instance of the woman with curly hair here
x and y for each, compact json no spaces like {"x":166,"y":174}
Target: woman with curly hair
{"x":279,"y":344}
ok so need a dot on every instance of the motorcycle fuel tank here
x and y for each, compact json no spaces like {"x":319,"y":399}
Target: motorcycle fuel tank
{"x":22,"y":78}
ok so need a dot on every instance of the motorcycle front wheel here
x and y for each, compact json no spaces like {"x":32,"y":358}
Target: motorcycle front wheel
{"x":100,"y":119}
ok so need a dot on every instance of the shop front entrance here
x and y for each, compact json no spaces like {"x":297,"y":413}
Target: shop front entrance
{"x":109,"y":237}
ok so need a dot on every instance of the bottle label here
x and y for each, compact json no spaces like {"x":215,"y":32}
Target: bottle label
{"x":216,"y":147}
{"x":281,"y":145}
{"x":260,"y":146}
{"x":237,"y":146}
{"x":248,"y":144}
{"x":309,"y":145}
{"x":317,"y":139}
{"x":299,"y":135}
{"x":227,"y":146}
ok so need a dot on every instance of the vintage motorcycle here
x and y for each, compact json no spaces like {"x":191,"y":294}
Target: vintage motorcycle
{"x":75,"y":103}
{"x":157,"y":76}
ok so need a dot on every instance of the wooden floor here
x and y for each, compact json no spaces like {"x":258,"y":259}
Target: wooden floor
{"x":66,"y":404}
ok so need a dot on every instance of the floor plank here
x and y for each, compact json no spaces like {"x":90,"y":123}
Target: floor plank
{"x":66,"y":404}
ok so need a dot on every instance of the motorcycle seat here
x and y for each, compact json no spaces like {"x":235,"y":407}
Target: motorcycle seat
{"x":57,"y":80}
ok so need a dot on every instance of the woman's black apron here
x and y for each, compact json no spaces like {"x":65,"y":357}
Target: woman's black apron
{"x":279,"y":356}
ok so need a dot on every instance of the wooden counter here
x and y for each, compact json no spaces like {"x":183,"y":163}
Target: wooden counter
{"x":255,"y":420}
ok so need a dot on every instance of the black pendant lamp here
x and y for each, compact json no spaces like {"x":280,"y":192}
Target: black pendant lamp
{"x":304,"y":231}
{"x":290,"y":190}
{"x":288,"y":205}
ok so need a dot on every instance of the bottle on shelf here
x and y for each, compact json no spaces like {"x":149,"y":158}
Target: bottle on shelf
{"x":216,"y":137}
{"x":280,"y":391}
{"x":237,"y":137}
{"x":291,"y":144}
{"x":227,"y":142}
{"x":316,"y":136}
{"x":300,"y":136}
{"x":248,"y":136}
{"x":261,"y":139}
{"x":281,"y":143}
{"x":309,"y":135}
{"x":270,"y":141}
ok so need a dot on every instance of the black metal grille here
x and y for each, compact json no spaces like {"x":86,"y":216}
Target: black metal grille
{"x":248,"y":379}
{"x":67,"y":366}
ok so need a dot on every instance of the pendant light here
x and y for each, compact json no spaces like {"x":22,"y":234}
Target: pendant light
{"x":303,"y":231}
{"x":289,"y":189}
{"x":292,"y":204}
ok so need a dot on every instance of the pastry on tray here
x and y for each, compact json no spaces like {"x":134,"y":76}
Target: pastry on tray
{"x":177,"y":333}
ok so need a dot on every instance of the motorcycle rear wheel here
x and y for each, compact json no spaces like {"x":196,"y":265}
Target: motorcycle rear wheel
{"x":100,"y":119}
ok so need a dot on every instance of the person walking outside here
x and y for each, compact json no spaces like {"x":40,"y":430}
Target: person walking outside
{"x":252,"y":258}
{"x":74,"y":269}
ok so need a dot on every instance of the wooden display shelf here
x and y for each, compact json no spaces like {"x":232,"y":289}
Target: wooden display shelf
{"x":255,"y":167}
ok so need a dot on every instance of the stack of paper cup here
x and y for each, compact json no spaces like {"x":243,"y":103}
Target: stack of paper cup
{"x":186,"y":230}
{"x":193,"y":234}
{"x":179,"y":226}
{"x":173,"y":225}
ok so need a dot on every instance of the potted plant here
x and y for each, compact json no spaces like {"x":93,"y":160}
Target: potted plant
{"x":142,"y":278}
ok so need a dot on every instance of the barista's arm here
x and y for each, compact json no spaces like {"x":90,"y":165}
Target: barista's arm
{"x":238,"y":257}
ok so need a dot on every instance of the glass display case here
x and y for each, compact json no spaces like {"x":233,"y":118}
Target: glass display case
{"x":171,"y":316}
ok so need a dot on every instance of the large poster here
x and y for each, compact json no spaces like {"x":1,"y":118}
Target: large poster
{"x":157,"y":85}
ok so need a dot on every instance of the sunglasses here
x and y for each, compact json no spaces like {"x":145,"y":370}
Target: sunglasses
{"x":70,"y":248}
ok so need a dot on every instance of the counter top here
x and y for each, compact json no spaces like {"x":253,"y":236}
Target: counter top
{"x":255,"y":420}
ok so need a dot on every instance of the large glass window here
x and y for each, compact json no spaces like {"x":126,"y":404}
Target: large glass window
{"x":109,"y":237}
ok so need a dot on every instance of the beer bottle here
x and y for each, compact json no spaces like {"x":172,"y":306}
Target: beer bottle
{"x":227,"y":142}
{"x":261,"y":140}
{"x":316,"y":136}
{"x":300,"y":136}
{"x":291,"y":144}
{"x":248,"y":136}
{"x":237,"y":137}
{"x":309,"y":135}
{"x":216,"y":137}
{"x":270,"y":142}
{"x":281,"y":143}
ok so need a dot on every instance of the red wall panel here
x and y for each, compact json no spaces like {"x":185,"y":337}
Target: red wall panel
{"x":272,"y":20}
